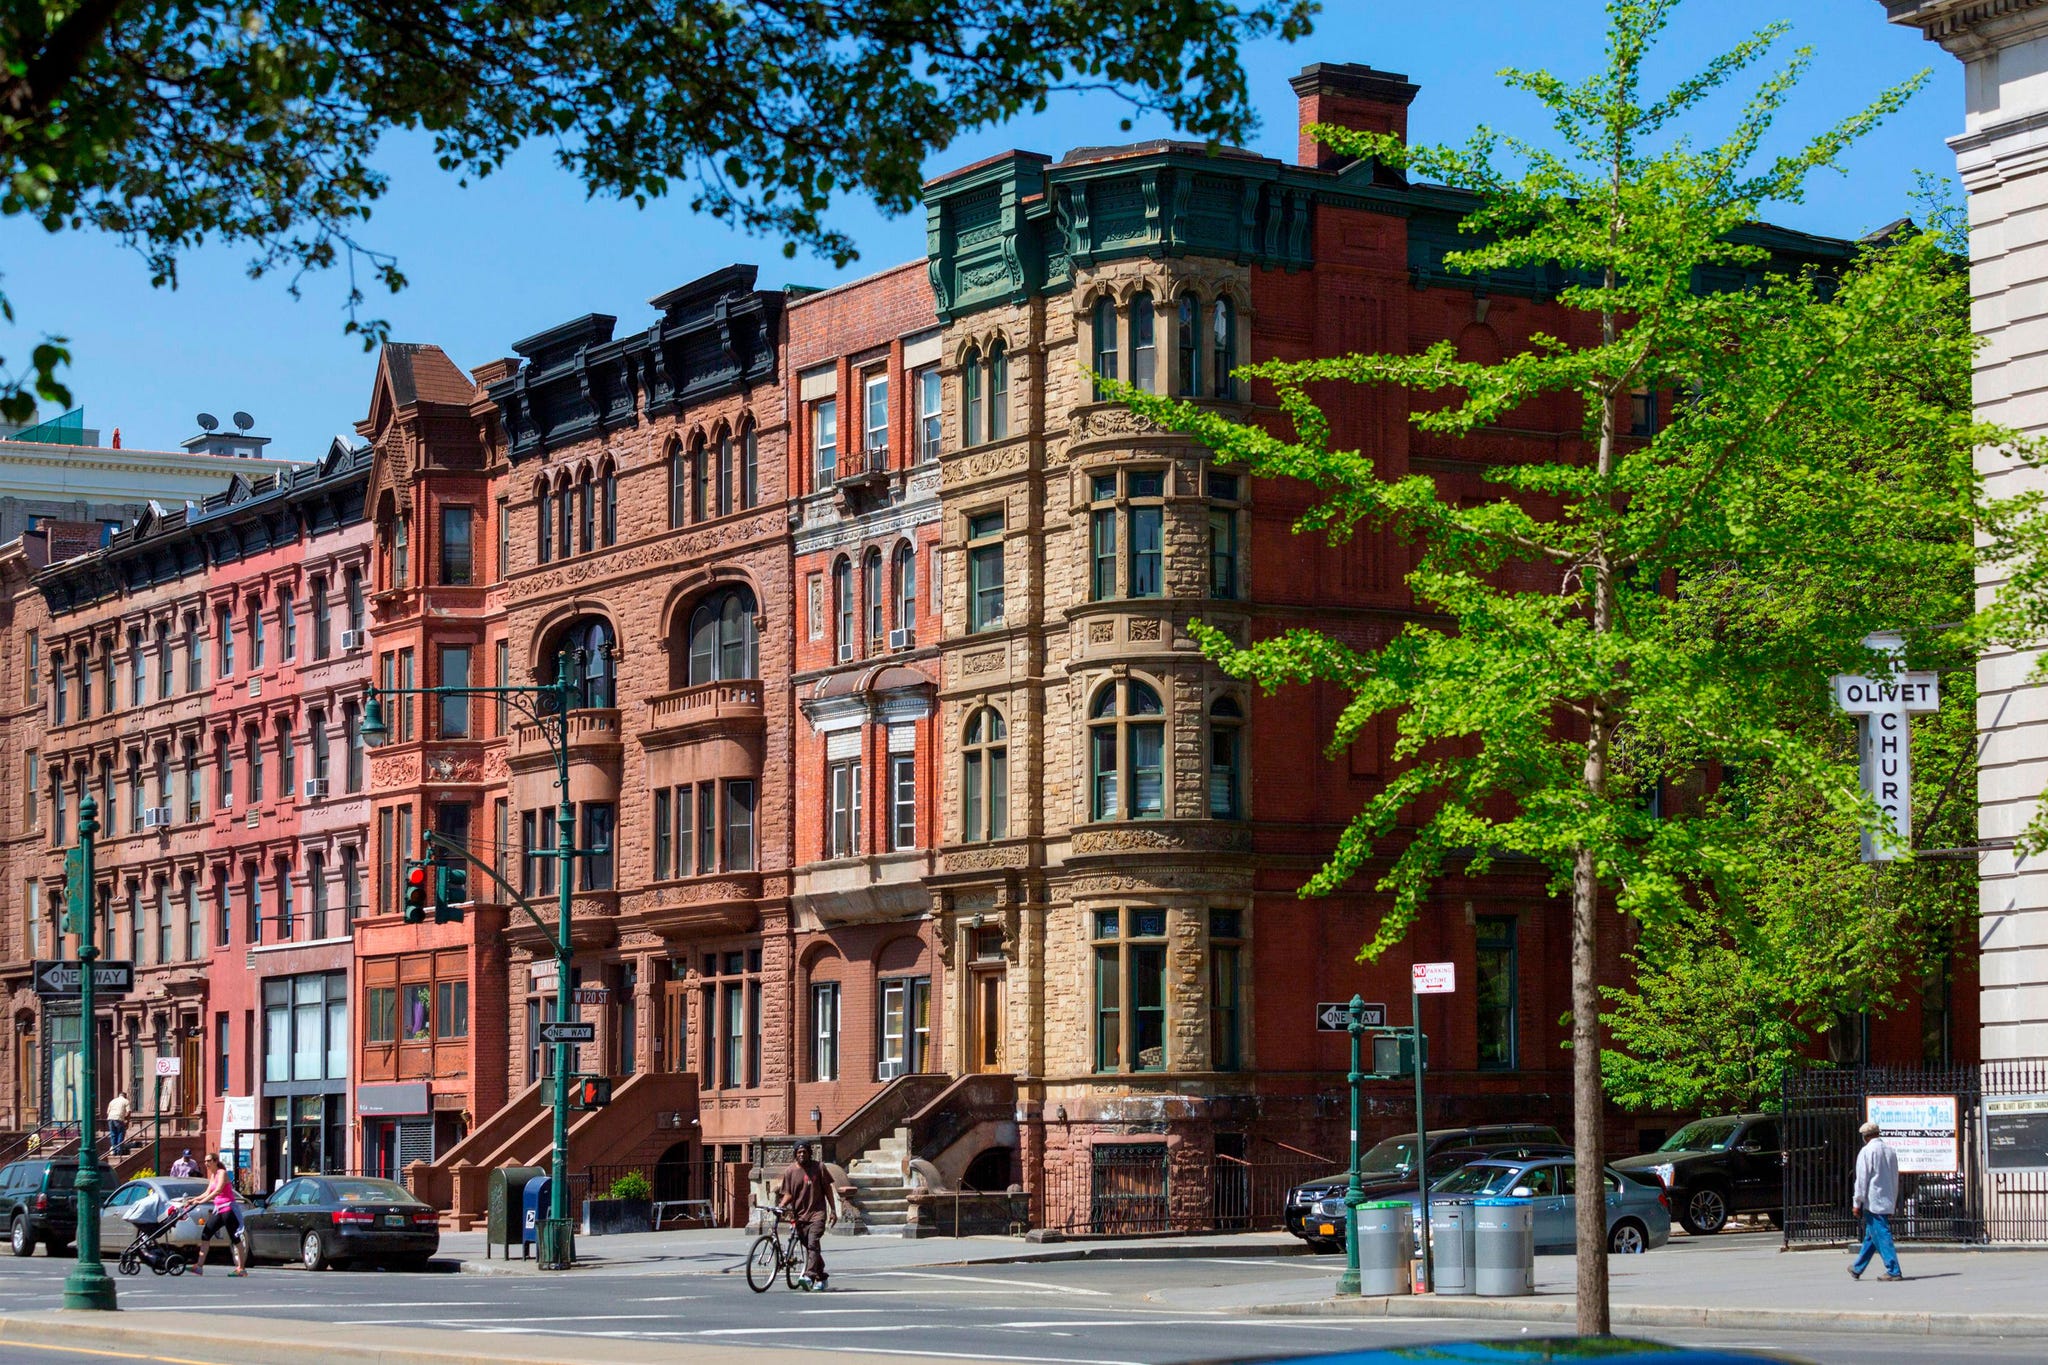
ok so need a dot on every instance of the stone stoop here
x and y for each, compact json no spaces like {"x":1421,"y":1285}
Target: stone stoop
{"x":881,"y":1187}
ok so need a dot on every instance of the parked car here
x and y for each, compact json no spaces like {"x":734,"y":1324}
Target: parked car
{"x":116,"y":1232}
{"x":1388,"y":1164}
{"x":39,"y":1201}
{"x":1718,"y":1167}
{"x":325,"y":1220}
{"x":1638,"y":1219}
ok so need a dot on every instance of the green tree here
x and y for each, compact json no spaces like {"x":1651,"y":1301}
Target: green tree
{"x":1515,"y":695}
{"x":171,"y":122}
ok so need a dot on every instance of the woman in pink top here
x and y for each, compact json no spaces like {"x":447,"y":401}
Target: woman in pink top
{"x":220,"y":1193}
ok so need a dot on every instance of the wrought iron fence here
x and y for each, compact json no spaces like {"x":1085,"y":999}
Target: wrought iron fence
{"x":1251,"y":1196}
{"x":2015,"y":1184}
{"x":1822,"y":1112}
{"x":1129,"y":1188}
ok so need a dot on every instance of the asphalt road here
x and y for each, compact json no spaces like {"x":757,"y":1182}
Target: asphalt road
{"x":1098,"y":1313}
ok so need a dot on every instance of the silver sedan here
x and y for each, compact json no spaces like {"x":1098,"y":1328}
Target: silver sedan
{"x":116,"y":1232}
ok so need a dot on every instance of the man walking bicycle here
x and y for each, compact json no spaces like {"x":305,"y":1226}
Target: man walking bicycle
{"x":809,"y":1199}
{"x":1877,"y":1195}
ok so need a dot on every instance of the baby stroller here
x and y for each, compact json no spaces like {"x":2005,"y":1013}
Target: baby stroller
{"x":154,"y":1219}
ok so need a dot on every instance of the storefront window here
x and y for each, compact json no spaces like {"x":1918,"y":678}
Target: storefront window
{"x":418,"y":1015}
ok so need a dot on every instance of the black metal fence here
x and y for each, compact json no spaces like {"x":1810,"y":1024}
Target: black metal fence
{"x":1129,"y":1188}
{"x":1983,"y":1199}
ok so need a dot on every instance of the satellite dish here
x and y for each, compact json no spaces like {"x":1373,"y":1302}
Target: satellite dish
{"x":207,"y":421}
{"x":243,"y":421}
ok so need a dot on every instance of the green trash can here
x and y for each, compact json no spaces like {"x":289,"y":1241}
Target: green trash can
{"x":557,"y":1243}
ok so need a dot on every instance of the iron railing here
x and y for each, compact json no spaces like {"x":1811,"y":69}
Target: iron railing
{"x":1822,"y":1112}
{"x":1128,"y":1188}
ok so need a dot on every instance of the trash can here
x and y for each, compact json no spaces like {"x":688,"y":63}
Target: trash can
{"x":1386,"y":1242}
{"x":1450,"y":1244}
{"x":1503,"y":1247}
{"x":505,"y":1212}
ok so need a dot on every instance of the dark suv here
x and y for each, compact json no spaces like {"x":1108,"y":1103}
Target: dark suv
{"x":1718,"y":1167}
{"x":39,"y":1203}
{"x":1390,"y":1167}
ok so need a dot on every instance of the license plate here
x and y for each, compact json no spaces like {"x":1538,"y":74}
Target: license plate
{"x":1329,"y":1229}
{"x":394,"y":1220}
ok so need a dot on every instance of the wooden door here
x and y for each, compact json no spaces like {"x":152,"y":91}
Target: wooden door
{"x":986,"y":989}
{"x":675,"y":1026}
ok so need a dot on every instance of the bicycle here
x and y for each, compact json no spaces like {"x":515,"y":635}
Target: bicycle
{"x":774,"y":1252}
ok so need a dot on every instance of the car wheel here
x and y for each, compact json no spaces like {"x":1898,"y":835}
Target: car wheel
{"x":1705,"y":1212}
{"x":18,"y":1239}
{"x":1627,"y":1238}
{"x":313,"y":1252}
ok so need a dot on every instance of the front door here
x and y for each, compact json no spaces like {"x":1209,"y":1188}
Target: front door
{"x":986,"y":987}
{"x":674,"y":1053}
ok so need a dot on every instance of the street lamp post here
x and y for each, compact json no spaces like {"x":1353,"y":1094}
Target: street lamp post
{"x":547,"y":706}
{"x":88,"y":1285}
{"x":1353,"y":1194}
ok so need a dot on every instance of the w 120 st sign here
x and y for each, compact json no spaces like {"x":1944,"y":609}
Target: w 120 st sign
{"x":1884,"y":742}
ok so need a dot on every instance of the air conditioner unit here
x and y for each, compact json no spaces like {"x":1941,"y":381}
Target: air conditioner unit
{"x":156,"y":817}
{"x":353,"y":639}
{"x":316,"y":788}
{"x":902,"y":638}
{"x":846,"y":651}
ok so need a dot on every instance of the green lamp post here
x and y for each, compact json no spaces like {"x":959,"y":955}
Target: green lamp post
{"x":88,"y":1285}
{"x":1347,"y":1283}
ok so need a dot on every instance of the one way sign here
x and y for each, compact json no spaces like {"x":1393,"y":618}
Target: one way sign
{"x":1334,"y":1016}
{"x":559,"y":1031}
{"x":64,"y":978}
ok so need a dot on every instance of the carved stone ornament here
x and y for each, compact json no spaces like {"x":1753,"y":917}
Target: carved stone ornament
{"x":1101,"y":632}
{"x":1110,"y":419}
{"x":665,"y":552}
{"x":1147,"y":839}
{"x":449,"y":768}
{"x":1109,"y":884}
{"x":985,"y":860}
{"x":397,"y":770}
{"x":701,"y":893}
{"x":1142,"y":628}
{"x":988,"y":661}
{"x":985,"y":464}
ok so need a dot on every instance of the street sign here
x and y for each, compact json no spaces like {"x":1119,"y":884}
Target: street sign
{"x":62,"y":978}
{"x":589,"y":995}
{"x":557,"y":1031}
{"x":168,"y":1066}
{"x":1435,"y":978}
{"x":1334,"y":1016}
{"x":1883,"y":748}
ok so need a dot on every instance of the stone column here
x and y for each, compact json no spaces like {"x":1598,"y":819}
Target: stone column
{"x":2002,"y":155}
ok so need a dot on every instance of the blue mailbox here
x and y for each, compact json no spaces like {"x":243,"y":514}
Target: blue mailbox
{"x":536,"y":1200}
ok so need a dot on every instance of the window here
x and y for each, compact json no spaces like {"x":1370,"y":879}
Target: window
{"x":1223,"y":349}
{"x":1130,"y":990}
{"x":537,"y":852}
{"x":188,"y":757}
{"x":739,"y":826}
{"x":723,"y":644}
{"x":902,"y":801}
{"x":674,"y":831}
{"x":501,"y":674}
{"x":458,"y":552}
{"x":707,"y":827}
{"x":401,"y":552}
{"x":1226,"y":728}
{"x":972,"y":404}
{"x":874,"y":398}
{"x":906,"y":1026}
{"x":1134,"y":501}
{"x":380,"y":1014}
{"x":1105,"y":343}
{"x":352,"y":735}
{"x":985,"y":571}
{"x":287,"y":629}
{"x":287,"y":759}
{"x":455,"y":708}
{"x":352,"y":595}
{"x":903,"y":584}
{"x":750,"y":467}
{"x":600,"y":819}
{"x":1494,"y":995}
{"x":223,"y":909}
{"x":504,"y":537}
{"x":224,"y":772}
{"x":1126,"y":753}
{"x":406,"y":680}
{"x":451,"y":1009}
{"x":31,"y":679}
{"x":351,"y":885}
{"x":1226,"y":990}
{"x":842,"y":822}
{"x":871,"y":595}
{"x":544,"y":517}
{"x":825,"y":441}
{"x":220,"y":1054}
{"x":137,"y":676}
{"x":1642,"y":412}
{"x":842,"y":607}
{"x":195,"y":919}
{"x":323,"y":619}
{"x":166,"y":673}
{"x":166,"y":922}
{"x":929,"y":421}
{"x":1144,"y":349}
{"x":58,"y":700}
{"x":316,"y":895}
{"x":1223,"y":490}
{"x":286,"y":915}
{"x":135,"y":793}
{"x":985,"y":778}
{"x":998,"y":392}
{"x":678,"y":487}
{"x":224,"y":635}
{"x":586,"y":515}
{"x":824,"y":1031}
{"x":252,"y":902}
{"x":664,"y":833}
{"x":1188,"y":347}
{"x":316,"y":743}
{"x":722,"y":474}
{"x":700,"y":480}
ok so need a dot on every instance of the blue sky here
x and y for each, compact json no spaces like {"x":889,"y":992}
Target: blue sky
{"x":526,"y":249}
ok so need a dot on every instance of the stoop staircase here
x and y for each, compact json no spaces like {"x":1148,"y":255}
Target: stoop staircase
{"x":881,"y":1186}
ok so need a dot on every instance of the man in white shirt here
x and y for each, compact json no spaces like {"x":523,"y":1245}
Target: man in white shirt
{"x":1876,"y":1197}
{"x":118,"y":1110}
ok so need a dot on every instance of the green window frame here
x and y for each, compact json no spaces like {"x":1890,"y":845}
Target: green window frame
{"x":1495,"y":993}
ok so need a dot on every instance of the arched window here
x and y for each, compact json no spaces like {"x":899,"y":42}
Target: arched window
{"x":723,"y":644}
{"x":586,"y":515}
{"x":905,"y":583}
{"x":545,"y":511}
{"x":1226,"y":757}
{"x":1105,"y":341}
{"x":608,"y":505}
{"x":564,"y":498}
{"x":871,"y":592}
{"x":1187,"y":336}
{"x":998,"y":392}
{"x":1144,"y":345}
{"x":842,"y":606}
{"x":1126,"y":753}
{"x":678,"y":487}
{"x":590,"y":649}
{"x":984,"y":778}
{"x":725,"y":472}
{"x":750,"y":467}
{"x":1223,"y":348}
{"x":700,"y":481}
{"x":401,"y":552}
{"x":971,"y":399}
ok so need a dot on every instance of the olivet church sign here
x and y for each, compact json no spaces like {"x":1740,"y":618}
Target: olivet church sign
{"x":1881,"y":706}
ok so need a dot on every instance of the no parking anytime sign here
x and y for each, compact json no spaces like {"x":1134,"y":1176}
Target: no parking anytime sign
{"x":1920,"y":1129}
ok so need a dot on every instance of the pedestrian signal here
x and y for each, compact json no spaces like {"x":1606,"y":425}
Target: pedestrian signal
{"x":415,"y":893}
{"x":590,"y":1092}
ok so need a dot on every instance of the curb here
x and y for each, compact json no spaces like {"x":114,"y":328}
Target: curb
{"x":1159,"y":1250}
{"x":1565,"y":1310}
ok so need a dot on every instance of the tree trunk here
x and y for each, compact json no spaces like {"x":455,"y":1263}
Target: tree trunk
{"x":1587,"y":1104}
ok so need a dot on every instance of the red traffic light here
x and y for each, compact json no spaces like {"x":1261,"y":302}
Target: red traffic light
{"x":415,"y":911}
{"x":417,"y":876}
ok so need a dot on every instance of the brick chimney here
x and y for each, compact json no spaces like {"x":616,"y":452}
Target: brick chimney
{"x":1353,"y":96}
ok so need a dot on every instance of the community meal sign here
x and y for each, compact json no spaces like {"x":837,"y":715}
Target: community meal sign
{"x":1920,"y":1129}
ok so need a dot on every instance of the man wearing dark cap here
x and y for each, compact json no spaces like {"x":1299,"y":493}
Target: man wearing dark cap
{"x":1877,"y":1195}
{"x":809,"y":1199}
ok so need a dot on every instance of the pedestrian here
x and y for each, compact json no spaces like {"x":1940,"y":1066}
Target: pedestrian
{"x":810,"y":1200}
{"x":118,"y":1110}
{"x":184,"y":1167}
{"x":224,"y":1217}
{"x":1877,"y":1195}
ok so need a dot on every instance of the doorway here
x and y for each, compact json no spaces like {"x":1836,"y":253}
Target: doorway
{"x":986,"y":990}
{"x":675,"y":1025}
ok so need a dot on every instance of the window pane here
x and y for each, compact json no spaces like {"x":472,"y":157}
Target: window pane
{"x":1108,"y":1011}
{"x":1146,"y":580}
{"x":998,"y":793}
{"x":1102,"y":767}
{"x":739,"y":826}
{"x":1148,"y":1006}
{"x":457,"y":555}
{"x":1102,"y":554}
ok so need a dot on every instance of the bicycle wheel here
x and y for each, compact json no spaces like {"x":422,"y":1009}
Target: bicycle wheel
{"x":792,"y":1259}
{"x":762,"y":1263}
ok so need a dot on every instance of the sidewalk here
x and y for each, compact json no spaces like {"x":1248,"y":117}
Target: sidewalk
{"x":1741,"y":1283}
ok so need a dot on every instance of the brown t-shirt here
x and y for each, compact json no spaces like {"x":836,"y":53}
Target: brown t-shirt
{"x":807,"y":1190}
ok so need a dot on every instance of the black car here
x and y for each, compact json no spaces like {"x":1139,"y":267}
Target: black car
{"x":325,"y":1220}
{"x":1390,"y":1166}
{"x":1716,"y":1168}
{"x":40,"y":1203}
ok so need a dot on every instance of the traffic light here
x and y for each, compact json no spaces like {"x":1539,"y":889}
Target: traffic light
{"x":590,"y":1092}
{"x":415,"y":893}
{"x":451,"y":893}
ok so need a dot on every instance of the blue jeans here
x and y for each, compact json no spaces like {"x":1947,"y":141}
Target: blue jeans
{"x":1877,"y":1241}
